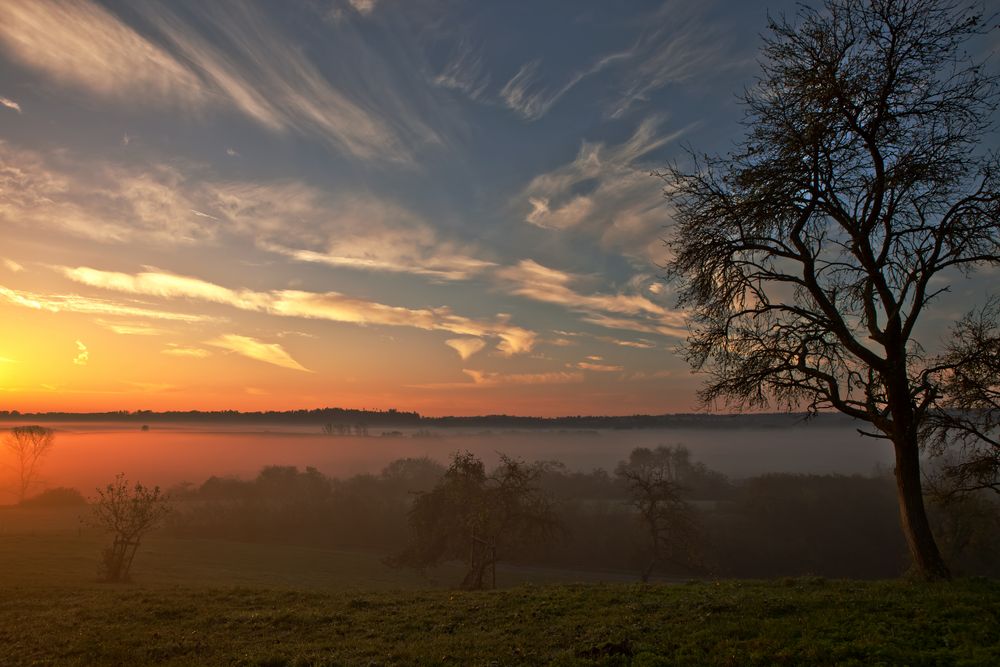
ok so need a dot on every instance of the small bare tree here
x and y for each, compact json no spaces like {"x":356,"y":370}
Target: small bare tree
{"x":29,"y":445}
{"x":653,"y":479}
{"x":477,"y":518}
{"x":127,"y":513}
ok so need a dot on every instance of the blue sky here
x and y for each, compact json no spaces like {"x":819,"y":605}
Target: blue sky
{"x":433,"y":205}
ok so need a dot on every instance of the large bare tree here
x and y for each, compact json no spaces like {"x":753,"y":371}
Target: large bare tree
{"x":809,"y":255}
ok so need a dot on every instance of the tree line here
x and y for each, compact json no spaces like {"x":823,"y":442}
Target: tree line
{"x":658,"y":514}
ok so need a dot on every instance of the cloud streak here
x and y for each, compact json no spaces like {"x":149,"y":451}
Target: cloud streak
{"x":534,"y":281}
{"x":252,"y":348}
{"x":85,"y":46}
{"x":622,"y":205}
{"x":10,"y":104}
{"x":485,"y":379}
{"x":331,"y":306}
{"x":253,"y":69}
{"x":530,"y":98}
{"x":73,"y":303}
{"x":190,"y":352}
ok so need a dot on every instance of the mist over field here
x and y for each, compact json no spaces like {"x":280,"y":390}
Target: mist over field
{"x":87,"y":455}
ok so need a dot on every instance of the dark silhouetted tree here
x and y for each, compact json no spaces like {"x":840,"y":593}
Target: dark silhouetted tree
{"x":28,"y":445}
{"x":128,"y":514}
{"x":477,"y":517}
{"x":808,"y":256}
{"x":654,"y":479}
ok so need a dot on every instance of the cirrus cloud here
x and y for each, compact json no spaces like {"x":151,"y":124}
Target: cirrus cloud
{"x":331,"y":306}
{"x":252,"y":348}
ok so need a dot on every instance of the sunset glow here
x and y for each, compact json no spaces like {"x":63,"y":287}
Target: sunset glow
{"x":366,"y":205}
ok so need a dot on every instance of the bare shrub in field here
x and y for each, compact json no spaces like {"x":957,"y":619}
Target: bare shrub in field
{"x":127,"y":513}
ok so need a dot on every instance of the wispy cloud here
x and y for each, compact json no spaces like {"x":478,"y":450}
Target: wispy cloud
{"x":83,"y":45}
{"x":485,"y":379}
{"x":679,"y":46}
{"x":527,"y":95}
{"x":131,"y":328}
{"x":74,"y":303}
{"x":82,"y":354}
{"x":11,"y":265}
{"x":541,"y":283}
{"x":331,"y":306}
{"x":363,"y":6}
{"x":350,"y":231}
{"x":641,"y":344}
{"x":276,"y":85}
{"x":164,"y":205}
{"x":98,"y":200}
{"x":180,"y":351}
{"x":466,"y":347}
{"x":269,"y":353}
{"x":601,"y":368}
{"x":10,"y":104}
{"x":621,"y":203}
{"x":464,"y":72}
{"x":249,"y":66}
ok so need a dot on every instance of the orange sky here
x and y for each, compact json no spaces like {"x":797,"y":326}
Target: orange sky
{"x":275,"y":206}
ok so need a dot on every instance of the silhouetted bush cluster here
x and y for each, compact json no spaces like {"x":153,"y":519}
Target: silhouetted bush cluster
{"x":57,"y":497}
{"x":284,"y":504}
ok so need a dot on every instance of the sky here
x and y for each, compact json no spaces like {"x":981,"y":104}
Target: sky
{"x":432,"y":205}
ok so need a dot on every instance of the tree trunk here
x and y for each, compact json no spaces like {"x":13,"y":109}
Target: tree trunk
{"x":927,"y":561}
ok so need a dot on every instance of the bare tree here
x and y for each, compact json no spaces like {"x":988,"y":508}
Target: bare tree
{"x":128,"y":514}
{"x":808,"y":256}
{"x":29,"y":445}
{"x":654,"y":481}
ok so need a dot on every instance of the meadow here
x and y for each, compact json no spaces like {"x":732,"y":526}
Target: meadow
{"x":226,"y":602}
{"x":197,"y":598}
{"x":792,"y":622}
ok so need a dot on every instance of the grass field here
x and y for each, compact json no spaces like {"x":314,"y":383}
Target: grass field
{"x":215,"y":602}
{"x":737,"y":623}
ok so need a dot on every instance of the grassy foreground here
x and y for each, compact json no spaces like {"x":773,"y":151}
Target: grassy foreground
{"x":793,"y":622}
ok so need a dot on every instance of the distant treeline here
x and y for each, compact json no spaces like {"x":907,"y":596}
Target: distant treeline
{"x":764,"y":526}
{"x":398,"y":418}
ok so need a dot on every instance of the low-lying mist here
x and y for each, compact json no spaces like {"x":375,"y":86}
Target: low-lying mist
{"x":88,"y":455}
{"x":756,"y":503}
